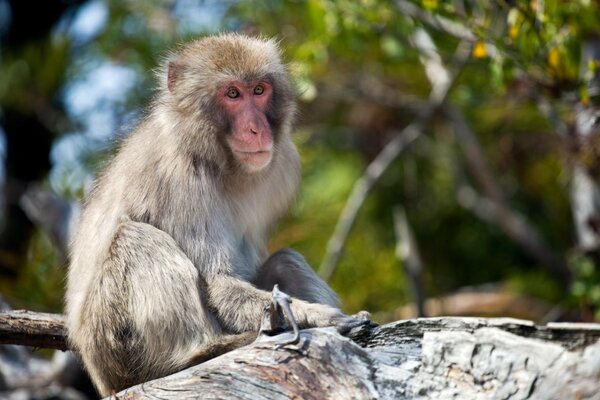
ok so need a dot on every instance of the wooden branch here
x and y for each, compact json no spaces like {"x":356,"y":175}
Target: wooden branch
{"x":407,"y":252}
{"x":33,"y":329}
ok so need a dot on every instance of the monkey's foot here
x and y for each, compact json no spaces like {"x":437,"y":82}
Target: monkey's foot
{"x":276,"y":317}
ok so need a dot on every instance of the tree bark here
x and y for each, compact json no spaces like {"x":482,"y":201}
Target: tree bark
{"x":33,"y":329}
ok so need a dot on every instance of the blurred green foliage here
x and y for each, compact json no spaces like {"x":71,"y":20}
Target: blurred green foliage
{"x":39,"y":285}
{"x":361,"y":80}
{"x":586,"y":288}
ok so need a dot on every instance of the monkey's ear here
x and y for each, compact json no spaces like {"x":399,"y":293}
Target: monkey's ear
{"x":174,"y":71}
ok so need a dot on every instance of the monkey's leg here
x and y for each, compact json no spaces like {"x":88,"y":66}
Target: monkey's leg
{"x":144,"y":316}
{"x":291,"y":272}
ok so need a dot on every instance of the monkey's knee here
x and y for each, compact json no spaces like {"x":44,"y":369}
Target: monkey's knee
{"x":286,"y":259}
{"x":278,"y":267}
{"x":291,"y":272}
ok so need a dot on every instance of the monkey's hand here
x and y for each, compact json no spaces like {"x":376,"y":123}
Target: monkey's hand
{"x":310,"y":315}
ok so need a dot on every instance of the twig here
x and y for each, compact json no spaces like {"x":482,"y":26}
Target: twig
{"x":379,"y":165}
{"x":370,"y":88}
{"x":408,"y":254}
{"x":33,"y":329}
{"x":363,"y":186}
{"x":445,"y":25}
{"x":467,"y":35}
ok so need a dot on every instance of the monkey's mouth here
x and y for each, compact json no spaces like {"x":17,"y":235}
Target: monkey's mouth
{"x":255,"y":159}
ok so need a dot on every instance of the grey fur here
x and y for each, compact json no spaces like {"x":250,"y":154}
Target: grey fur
{"x":168,"y":261}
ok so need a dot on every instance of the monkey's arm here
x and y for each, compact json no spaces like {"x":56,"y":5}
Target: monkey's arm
{"x":239,"y":307}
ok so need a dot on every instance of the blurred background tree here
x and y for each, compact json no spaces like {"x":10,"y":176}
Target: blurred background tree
{"x":477,"y":120}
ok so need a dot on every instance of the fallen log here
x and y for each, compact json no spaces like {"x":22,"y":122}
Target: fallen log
{"x":445,"y":358}
{"x":430,"y":358}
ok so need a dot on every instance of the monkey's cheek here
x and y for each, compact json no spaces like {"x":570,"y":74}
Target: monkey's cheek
{"x":255,"y":161}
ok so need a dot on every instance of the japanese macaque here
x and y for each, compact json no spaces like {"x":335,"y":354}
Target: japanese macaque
{"x":169,"y":265}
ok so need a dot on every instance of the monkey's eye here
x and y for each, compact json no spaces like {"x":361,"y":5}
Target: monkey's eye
{"x":258,"y":90}
{"x":232,"y":93}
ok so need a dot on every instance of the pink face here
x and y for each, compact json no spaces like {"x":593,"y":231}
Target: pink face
{"x":251,"y":138}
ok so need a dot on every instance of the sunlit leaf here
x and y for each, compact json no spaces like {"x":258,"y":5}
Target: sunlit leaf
{"x":479,"y":50}
{"x":430,"y":4}
{"x":555,"y":58}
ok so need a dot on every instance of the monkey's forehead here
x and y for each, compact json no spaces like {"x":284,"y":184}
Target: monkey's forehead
{"x":233,"y":56}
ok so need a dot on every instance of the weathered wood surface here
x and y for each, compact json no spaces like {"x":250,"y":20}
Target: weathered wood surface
{"x":33,"y":329}
{"x":432,"y":358}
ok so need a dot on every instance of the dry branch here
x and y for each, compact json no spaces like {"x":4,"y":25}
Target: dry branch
{"x":407,"y":252}
{"x":33,"y":329}
{"x":443,"y":24}
{"x":390,"y":152}
{"x":363,"y":187}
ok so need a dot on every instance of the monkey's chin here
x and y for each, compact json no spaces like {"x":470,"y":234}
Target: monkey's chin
{"x":254,"y":161}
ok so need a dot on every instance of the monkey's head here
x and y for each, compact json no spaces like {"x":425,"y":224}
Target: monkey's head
{"x":235,"y":97}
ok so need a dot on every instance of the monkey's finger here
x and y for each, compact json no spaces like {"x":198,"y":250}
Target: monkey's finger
{"x":350,"y":323}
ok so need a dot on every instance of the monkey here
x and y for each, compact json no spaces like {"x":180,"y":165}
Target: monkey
{"x":169,"y":264}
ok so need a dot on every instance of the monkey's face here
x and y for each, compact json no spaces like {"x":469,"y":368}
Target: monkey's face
{"x":250,"y":138}
{"x":233,"y":101}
